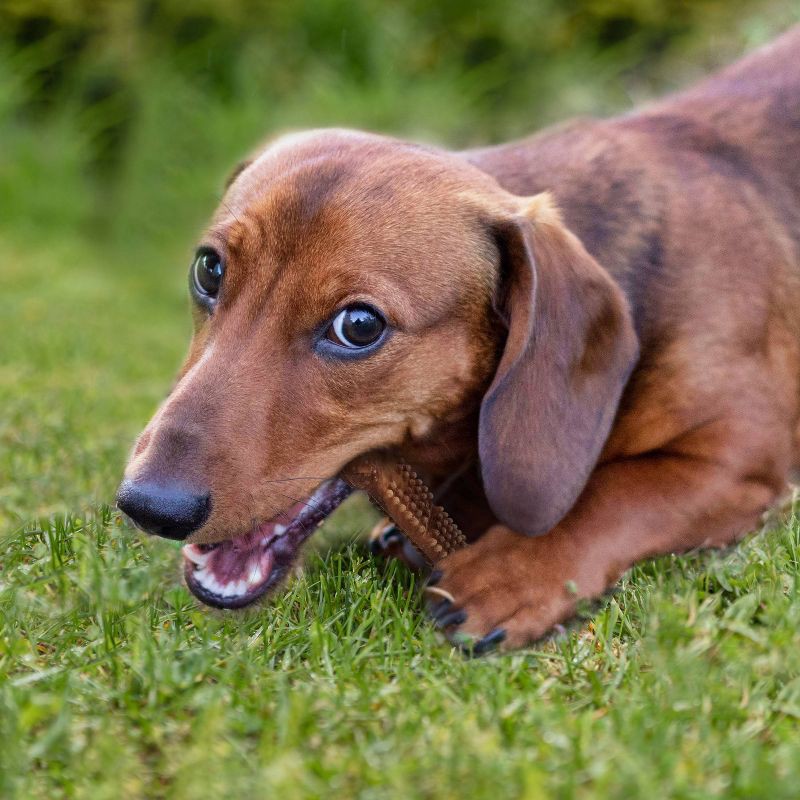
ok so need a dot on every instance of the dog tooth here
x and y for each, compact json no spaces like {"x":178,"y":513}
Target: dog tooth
{"x":279,"y":530}
{"x":195,"y":556}
{"x":254,"y":576}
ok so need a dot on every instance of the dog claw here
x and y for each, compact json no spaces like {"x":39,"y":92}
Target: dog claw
{"x":435,"y":591}
{"x":387,"y":541}
{"x":434,"y":578}
{"x":376,"y":547}
{"x":469,"y":647}
{"x":390,"y":537}
{"x":440,"y":608}
{"x":489,"y":642}
{"x":457,"y":617}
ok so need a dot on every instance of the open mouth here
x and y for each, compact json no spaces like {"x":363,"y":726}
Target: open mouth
{"x":237,"y":572}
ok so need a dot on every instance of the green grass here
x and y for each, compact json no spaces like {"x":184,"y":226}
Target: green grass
{"x":686,"y":683}
{"x":114,"y":681}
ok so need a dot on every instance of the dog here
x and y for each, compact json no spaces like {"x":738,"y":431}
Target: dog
{"x":588,"y":340}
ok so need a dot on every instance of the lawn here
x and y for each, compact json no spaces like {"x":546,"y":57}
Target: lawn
{"x":115,"y":682}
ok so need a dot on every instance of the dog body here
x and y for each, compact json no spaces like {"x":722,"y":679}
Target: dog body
{"x":591,"y":342}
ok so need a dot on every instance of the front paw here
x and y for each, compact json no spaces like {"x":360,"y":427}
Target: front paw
{"x":388,"y":541}
{"x":505,"y":590}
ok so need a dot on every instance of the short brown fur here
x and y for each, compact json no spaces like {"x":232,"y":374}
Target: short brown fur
{"x":618,"y":361}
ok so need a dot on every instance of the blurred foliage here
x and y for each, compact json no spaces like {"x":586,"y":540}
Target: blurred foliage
{"x":121,"y":118}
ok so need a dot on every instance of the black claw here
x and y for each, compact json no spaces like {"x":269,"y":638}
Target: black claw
{"x":376,"y":547}
{"x":453,"y":618}
{"x":440,"y":608}
{"x":489,"y":642}
{"x":434,"y":577}
{"x":389,"y":536}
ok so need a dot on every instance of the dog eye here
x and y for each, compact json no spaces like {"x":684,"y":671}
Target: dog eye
{"x":356,"y":326}
{"x":207,"y":272}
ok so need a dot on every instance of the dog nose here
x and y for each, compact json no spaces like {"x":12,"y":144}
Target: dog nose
{"x":170,"y":510}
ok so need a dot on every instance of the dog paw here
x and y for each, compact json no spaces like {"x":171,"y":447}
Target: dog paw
{"x":388,"y":541}
{"x":505,"y":591}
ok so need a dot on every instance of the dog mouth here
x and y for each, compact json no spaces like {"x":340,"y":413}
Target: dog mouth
{"x":237,"y":572}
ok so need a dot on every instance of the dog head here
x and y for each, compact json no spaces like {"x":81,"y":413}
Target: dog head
{"x":355,"y":293}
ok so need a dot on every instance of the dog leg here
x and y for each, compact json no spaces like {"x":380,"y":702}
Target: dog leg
{"x":510,"y":589}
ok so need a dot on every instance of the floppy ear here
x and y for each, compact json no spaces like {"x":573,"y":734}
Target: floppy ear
{"x":569,"y":351}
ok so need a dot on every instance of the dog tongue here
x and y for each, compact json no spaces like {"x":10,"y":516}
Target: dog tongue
{"x":244,"y":558}
{"x":242,"y":564}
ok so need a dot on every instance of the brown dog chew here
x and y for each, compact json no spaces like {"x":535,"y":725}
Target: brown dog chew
{"x":401,"y":493}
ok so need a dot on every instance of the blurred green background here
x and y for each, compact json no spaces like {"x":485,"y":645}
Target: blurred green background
{"x":120,"y":120}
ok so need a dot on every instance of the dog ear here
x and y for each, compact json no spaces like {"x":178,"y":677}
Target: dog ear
{"x":568,"y":354}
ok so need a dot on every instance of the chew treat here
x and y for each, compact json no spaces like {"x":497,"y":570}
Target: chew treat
{"x":398,"y":490}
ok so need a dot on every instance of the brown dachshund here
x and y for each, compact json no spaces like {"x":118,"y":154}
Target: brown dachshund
{"x":589,"y":340}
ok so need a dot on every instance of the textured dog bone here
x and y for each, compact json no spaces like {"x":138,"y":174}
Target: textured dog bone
{"x":398,"y":490}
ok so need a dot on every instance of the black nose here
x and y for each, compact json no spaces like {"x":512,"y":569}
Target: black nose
{"x":170,"y":510}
